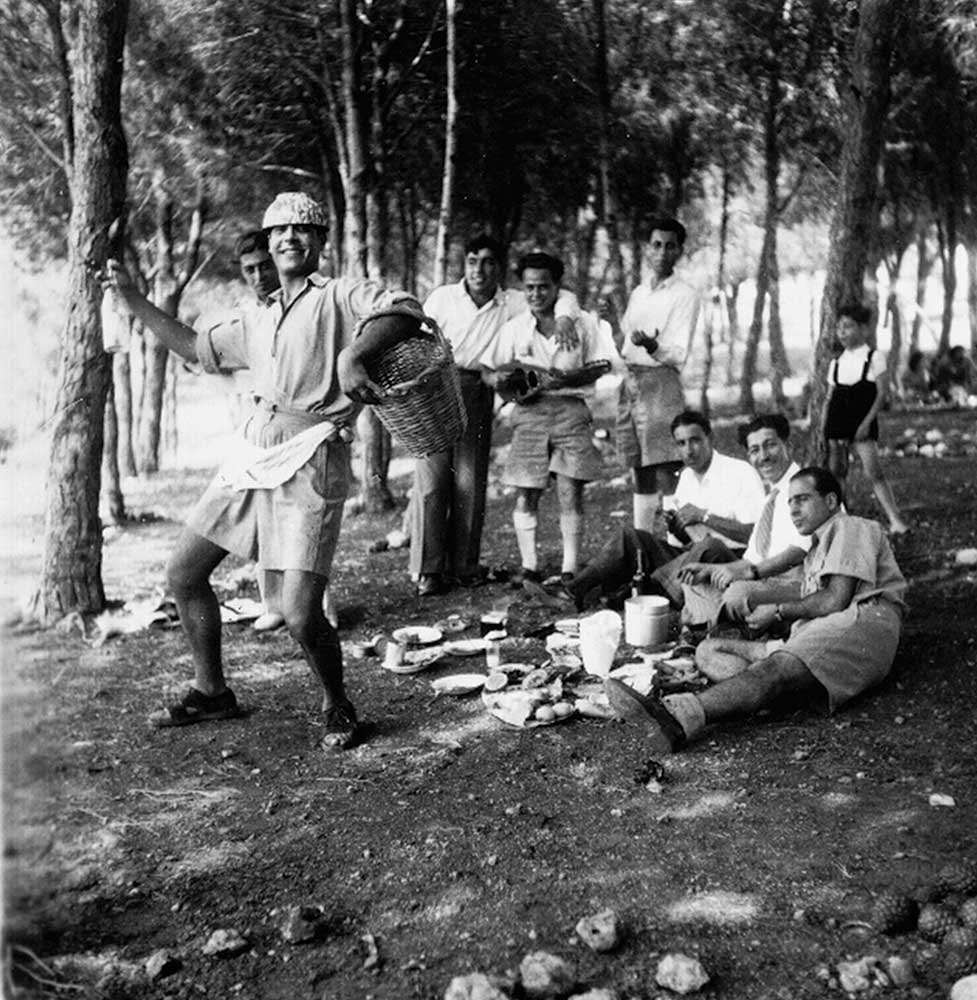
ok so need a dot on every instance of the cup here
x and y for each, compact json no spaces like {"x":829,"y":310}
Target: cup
{"x":393,"y":655}
{"x":493,"y":650}
{"x":600,"y":634}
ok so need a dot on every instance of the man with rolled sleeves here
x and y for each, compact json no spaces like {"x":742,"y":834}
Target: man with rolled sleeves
{"x":844,"y":628}
{"x":658,"y":326}
{"x":447,"y":507}
{"x":279,"y":497}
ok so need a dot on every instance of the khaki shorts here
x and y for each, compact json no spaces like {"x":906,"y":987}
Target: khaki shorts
{"x":848,"y":651}
{"x":648,"y":401}
{"x":293,"y":526}
{"x":552,"y":435}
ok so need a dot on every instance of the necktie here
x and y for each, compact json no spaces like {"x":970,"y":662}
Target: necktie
{"x":764,"y":527}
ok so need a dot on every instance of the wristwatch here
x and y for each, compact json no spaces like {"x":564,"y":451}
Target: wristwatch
{"x":754,"y":572}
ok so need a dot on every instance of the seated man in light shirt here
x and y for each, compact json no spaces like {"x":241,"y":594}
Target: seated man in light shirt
{"x":844,"y":628}
{"x":768,"y":571}
{"x":447,"y":507}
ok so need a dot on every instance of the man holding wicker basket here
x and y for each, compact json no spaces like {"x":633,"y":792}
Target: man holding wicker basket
{"x":279,"y":497}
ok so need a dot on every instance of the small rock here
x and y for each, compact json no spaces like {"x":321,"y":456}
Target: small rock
{"x":964,"y":989}
{"x":940,"y":801}
{"x":858,"y":975}
{"x":474,"y":986}
{"x":302,"y":923}
{"x":966,"y":557}
{"x":599,"y":994}
{"x":600,"y":932}
{"x":225,"y":941}
{"x":900,"y":970}
{"x":397,"y":539}
{"x":681,"y":974}
{"x":545,"y":975}
{"x":161,"y":964}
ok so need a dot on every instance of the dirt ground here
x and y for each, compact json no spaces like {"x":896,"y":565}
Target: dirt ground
{"x":451,"y":843}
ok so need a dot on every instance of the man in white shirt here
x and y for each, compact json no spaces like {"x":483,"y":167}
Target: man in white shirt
{"x":658,"y":326}
{"x":769,"y":569}
{"x":447,"y":507}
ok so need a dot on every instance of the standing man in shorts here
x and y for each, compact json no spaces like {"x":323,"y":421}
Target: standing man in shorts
{"x":279,"y":498}
{"x":552,"y":426}
{"x":658,"y":326}
{"x":844,"y":628}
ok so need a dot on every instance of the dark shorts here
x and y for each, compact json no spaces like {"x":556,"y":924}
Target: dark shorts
{"x":847,"y":409}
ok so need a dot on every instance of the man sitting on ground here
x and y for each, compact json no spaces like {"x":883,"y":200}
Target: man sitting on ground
{"x":718,"y":499}
{"x":844,"y":629}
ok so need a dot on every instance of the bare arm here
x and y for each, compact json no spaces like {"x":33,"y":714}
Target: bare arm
{"x":176,"y":336}
{"x":689,"y":514}
{"x":834,"y":596}
{"x":376,"y":335}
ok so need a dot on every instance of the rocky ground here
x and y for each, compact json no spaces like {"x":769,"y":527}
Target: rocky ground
{"x":451,"y":844}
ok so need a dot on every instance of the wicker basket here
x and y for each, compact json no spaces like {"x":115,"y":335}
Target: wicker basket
{"x":421,"y":405}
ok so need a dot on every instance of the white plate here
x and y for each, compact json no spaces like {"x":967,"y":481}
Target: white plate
{"x":465,"y":647}
{"x":568,"y":626}
{"x":415,"y":661}
{"x":417,"y":635}
{"x":458,"y":683}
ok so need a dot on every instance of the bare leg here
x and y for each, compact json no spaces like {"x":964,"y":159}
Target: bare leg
{"x":838,"y":459}
{"x":868,"y":455}
{"x":302,"y":604}
{"x":650,"y":483}
{"x":758,"y":686}
{"x":719,"y":659}
{"x":270,"y":585}
{"x":188,"y":575}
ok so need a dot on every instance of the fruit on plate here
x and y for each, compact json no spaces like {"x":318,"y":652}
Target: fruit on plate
{"x":545,"y":713}
{"x":562,"y":709}
{"x":496,"y":681}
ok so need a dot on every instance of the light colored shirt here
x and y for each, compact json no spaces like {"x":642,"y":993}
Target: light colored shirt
{"x":783,"y":534}
{"x":521,"y":343}
{"x":470,"y":328}
{"x":671,"y":308}
{"x":854,"y":546}
{"x":292,"y":351}
{"x":850,"y":364}
{"x":729,"y":488}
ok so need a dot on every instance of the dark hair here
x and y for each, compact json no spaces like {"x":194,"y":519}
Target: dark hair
{"x":689,"y":417}
{"x":253,"y":241}
{"x":859,"y":313}
{"x":824,"y":480}
{"x":542,"y":261}
{"x":483,"y":241}
{"x":775,"y":422}
{"x":666,"y":224}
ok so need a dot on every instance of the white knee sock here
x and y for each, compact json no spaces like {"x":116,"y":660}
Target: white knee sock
{"x":571,"y":528}
{"x":525,"y":524}
{"x":688,"y":712}
{"x":646,"y":506}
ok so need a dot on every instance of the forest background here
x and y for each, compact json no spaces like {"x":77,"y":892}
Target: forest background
{"x":815,"y":149}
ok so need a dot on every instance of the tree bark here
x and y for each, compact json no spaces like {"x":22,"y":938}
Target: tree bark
{"x":355,"y":143}
{"x":972,"y":288}
{"x":71,"y":575}
{"x":112,"y":487}
{"x":948,"y":246}
{"x":924,"y":264}
{"x":856,"y":212}
{"x":450,"y":141}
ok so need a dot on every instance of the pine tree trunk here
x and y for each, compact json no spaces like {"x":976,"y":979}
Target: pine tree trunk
{"x":733,"y":312}
{"x":122,"y":392}
{"x":856,"y":213}
{"x":71,"y":576}
{"x":972,"y":290}
{"x":924,"y":265}
{"x":450,"y":141}
{"x":949,"y":276}
{"x":111,"y":485}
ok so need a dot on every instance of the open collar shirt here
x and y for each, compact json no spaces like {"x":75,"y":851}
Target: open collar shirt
{"x":729,"y":488}
{"x":783,"y":534}
{"x":671,"y":308}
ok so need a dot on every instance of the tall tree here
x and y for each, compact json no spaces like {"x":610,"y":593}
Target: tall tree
{"x":855,"y":216}
{"x":443,"y":240}
{"x":92,"y":39}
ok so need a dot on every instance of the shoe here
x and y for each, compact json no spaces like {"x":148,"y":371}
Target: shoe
{"x":517,"y":579}
{"x":343,"y":730}
{"x":194,"y":707}
{"x":431,"y":585}
{"x":549,"y":597}
{"x":634,"y":707}
{"x":474,"y":578}
{"x":268,"y":622}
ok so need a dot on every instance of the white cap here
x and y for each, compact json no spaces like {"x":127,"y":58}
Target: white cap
{"x":294,"y":208}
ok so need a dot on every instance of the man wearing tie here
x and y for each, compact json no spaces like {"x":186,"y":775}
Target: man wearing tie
{"x":769,"y":570}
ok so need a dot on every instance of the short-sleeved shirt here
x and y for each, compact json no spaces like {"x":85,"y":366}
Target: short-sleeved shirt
{"x":292,"y":351}
{"x":520,"y":342}
{"x":471,"y":329}
{"x":850,"y":364}
{"x":671,"y":308}
{"x":783,"y":534}
{"x":857,"y":547}
{"x":729,"y":488}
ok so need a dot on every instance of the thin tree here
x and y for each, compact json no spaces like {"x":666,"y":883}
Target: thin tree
{"x":96,"y":162}
{"x":450,"y":144}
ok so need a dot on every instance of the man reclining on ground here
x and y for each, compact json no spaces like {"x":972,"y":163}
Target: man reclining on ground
{"x":843,"y":638}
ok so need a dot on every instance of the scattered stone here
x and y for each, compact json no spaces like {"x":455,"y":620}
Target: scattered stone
{"x":161,"y":964}
{"x":681,"y":974}
{"x":302,"y":923}
{"x":966,"y":557}
{"x":601,"y":931}
{"x":225,"y":941}
{"x":598,"y":994}
{"x":474,"y":986}
{"x":372,"y":960}
{"x":964,"y":989}
{"x":900,"y":970}
{"x":853,"y":977}
{"x":545,"y":975}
